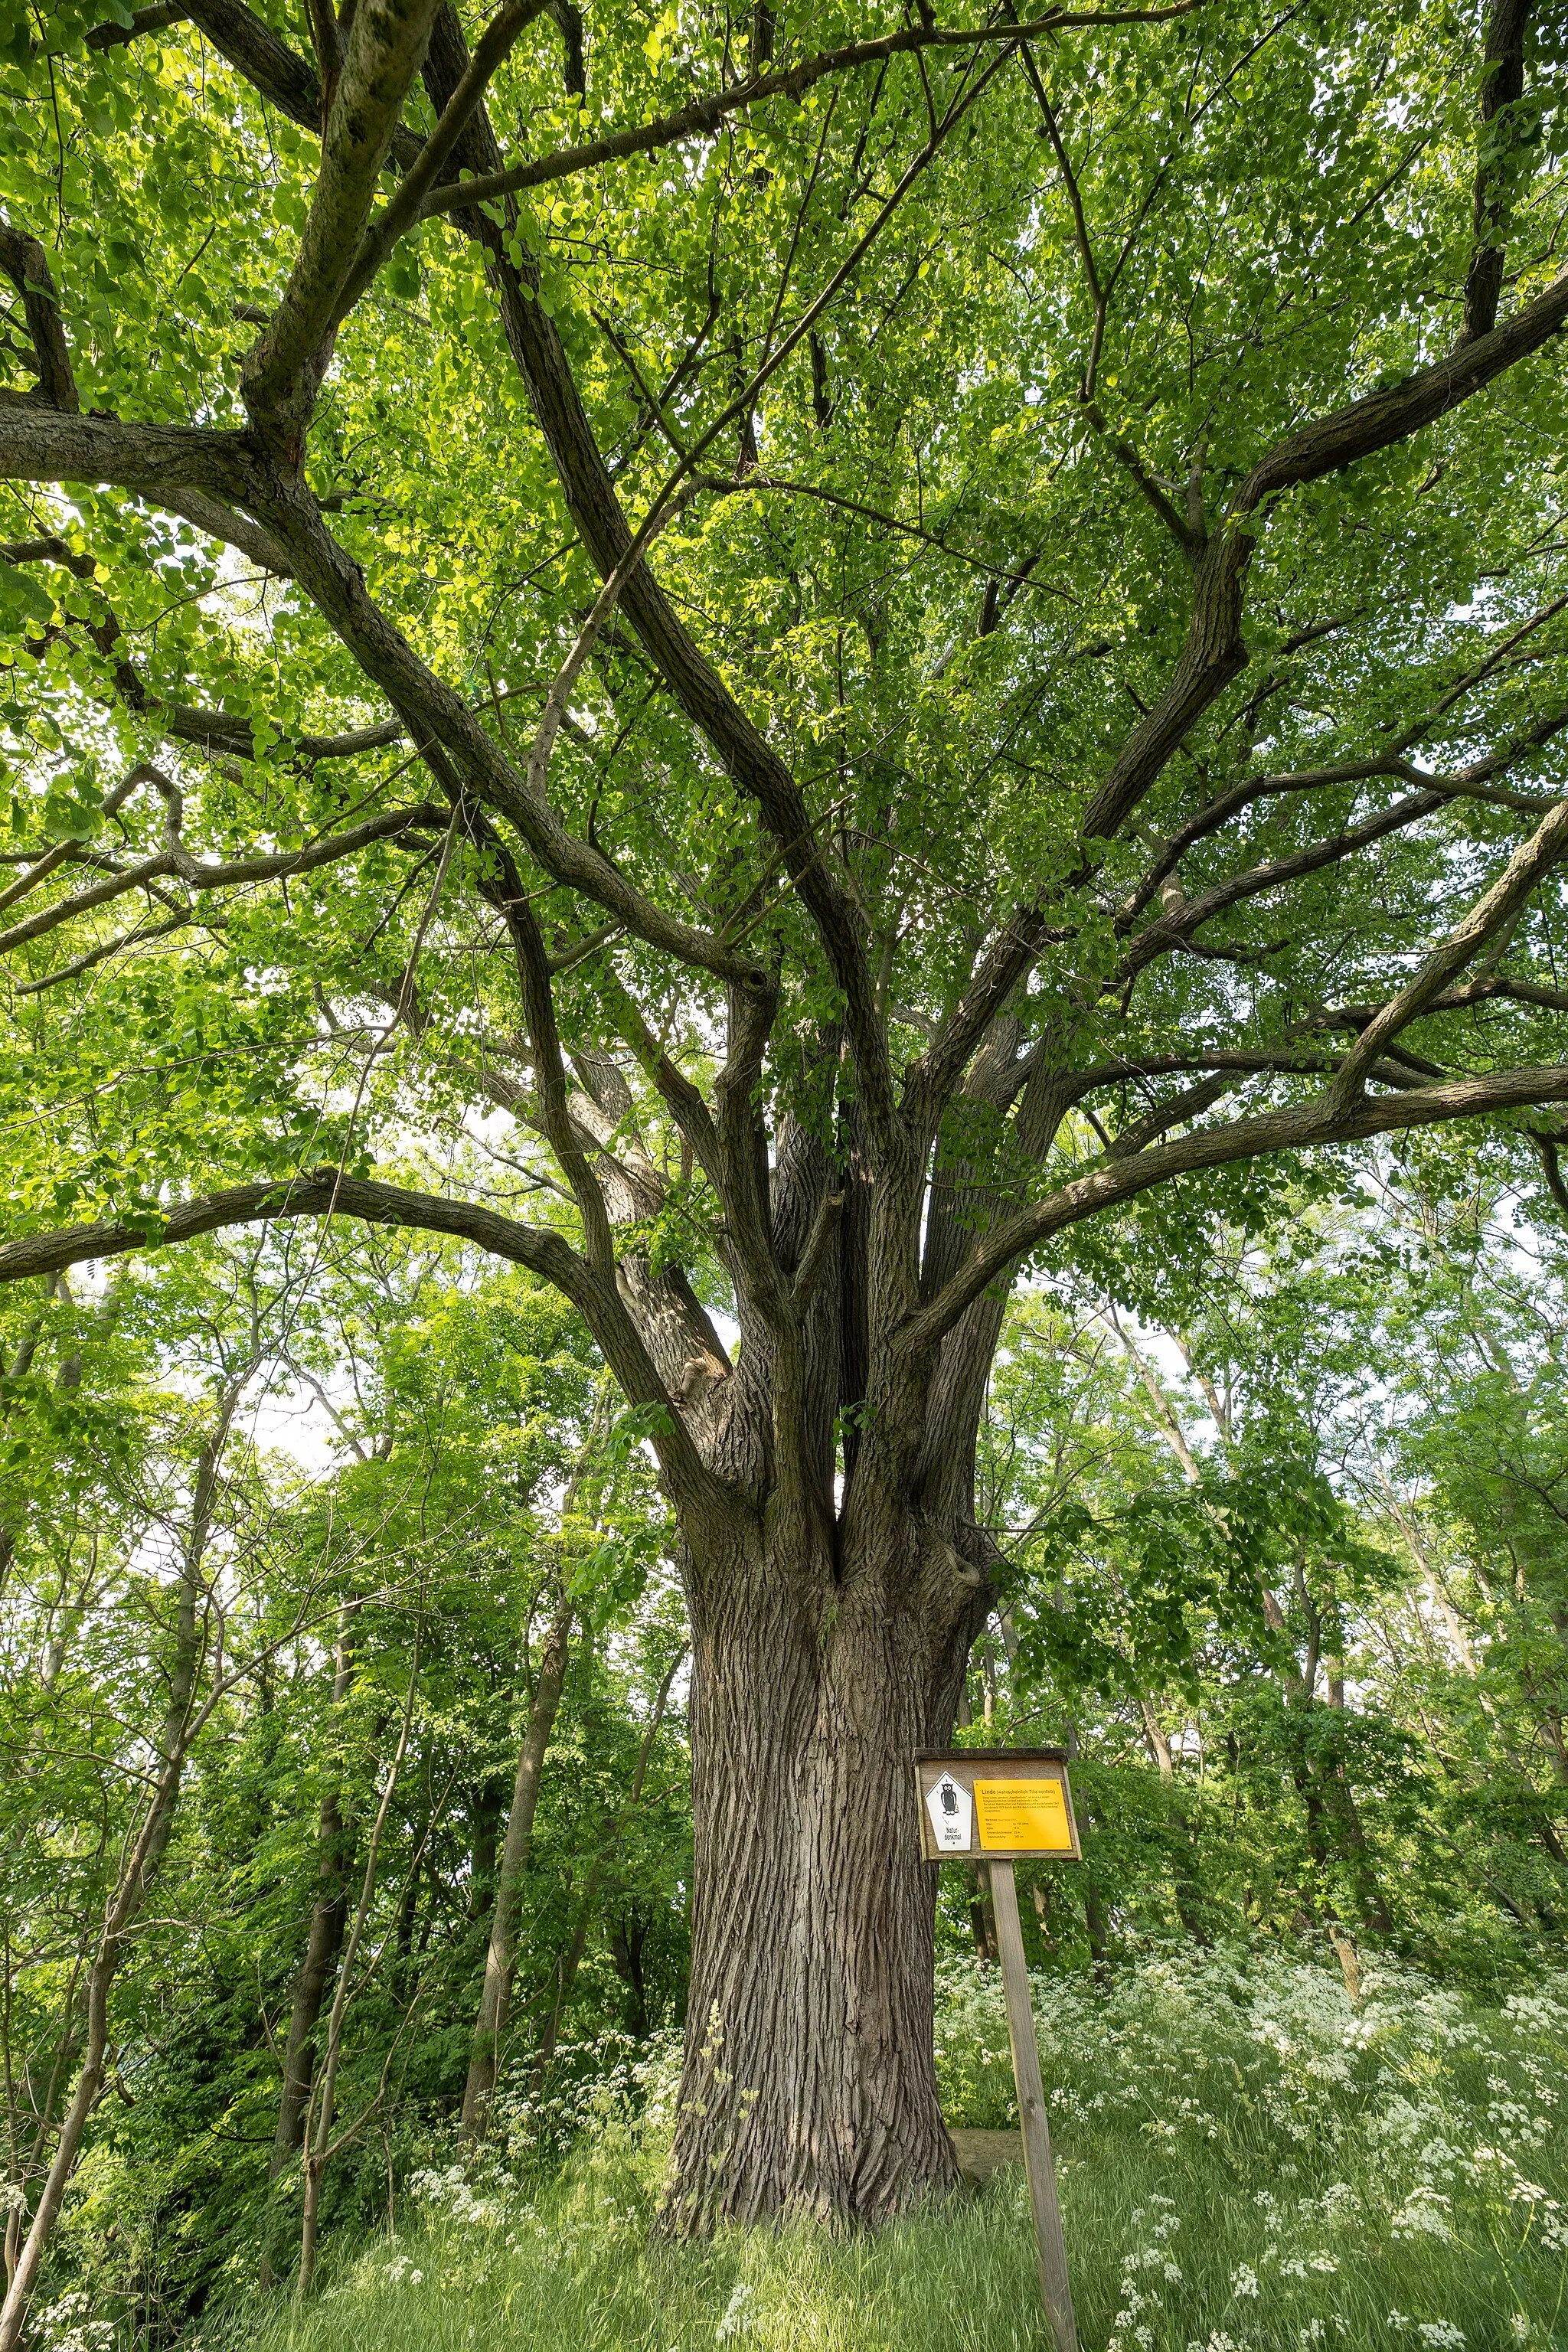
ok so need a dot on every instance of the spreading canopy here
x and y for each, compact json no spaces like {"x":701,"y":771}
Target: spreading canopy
{"x":602,"y":605}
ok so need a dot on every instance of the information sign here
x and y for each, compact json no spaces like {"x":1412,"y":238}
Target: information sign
{"x":951,"y":1810}
{"x":995,"y":1806}
{"x":1023,"y":1816}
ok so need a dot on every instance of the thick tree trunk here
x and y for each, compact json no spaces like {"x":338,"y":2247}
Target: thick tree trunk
{"x":810,"y":2084}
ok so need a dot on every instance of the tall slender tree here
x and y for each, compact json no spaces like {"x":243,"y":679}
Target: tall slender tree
{"x":169,"y":1746}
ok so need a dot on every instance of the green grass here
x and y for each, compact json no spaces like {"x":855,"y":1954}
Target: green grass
{"x":1247,"y":2165}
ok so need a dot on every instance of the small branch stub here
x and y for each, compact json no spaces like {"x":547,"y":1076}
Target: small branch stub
{"x":998,"y":1805}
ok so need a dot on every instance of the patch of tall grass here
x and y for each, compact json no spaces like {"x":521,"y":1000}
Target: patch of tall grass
{"x":1249,"y":2163}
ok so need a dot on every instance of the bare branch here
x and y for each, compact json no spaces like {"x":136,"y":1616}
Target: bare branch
{"x":1026,"y":577}
{"x":1214,"y":652}
{"x":683,"y":1100}
{"x":499,"y":38}
{"x":47,"y":446}
{"x":323,"y":1193}
{"x":268,"y":64}
{"x":102,"y":953}
{"x":41,"y":446}
{"x":221,"y":522}
{"x":27,"y":265}
{"x":233,"y":873}
{"x":328,"y":1191}
{"x":750,"y":758}
{"x":1175,"y":928}
{"x":152,"y":19}
{"x":68,"y":852}
{"x":1502,"y":85}
{"x":704,"y":114}
{"x":539,"y":1011}
{"x":1466,"y":783}
{"x":284,"y":368}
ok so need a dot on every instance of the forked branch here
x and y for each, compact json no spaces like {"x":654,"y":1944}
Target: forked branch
{"x":1302,"y":1127}
{"x":1525,"y":869}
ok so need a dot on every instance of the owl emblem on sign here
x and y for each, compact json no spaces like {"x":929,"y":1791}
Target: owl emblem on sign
{"x":951,"y":1810}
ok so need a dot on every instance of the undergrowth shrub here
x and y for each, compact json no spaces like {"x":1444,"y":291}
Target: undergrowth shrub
{"x":1249,"y":2163}
{"x":1282,"y":2166}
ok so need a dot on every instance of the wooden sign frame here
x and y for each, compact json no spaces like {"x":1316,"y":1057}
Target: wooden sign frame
{"x":973,"y":1771}
{"x":993,"y":1768}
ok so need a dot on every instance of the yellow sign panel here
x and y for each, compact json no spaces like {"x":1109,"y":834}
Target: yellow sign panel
{"x":1022,"y":1814}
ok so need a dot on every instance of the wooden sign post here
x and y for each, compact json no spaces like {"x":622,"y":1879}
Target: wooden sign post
{"x":998,"y":1805}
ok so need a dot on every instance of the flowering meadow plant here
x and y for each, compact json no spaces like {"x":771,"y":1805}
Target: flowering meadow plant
{"x":1316,"y":2144}
{"x":1249,"y":2162}
{"x":546,"y":2107}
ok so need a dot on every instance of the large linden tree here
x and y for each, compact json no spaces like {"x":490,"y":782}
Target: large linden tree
{"x":760,"y":662}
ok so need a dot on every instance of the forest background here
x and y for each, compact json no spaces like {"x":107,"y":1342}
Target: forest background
{"x":426,"y":1523}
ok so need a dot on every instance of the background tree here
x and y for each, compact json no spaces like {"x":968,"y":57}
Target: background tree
{"x":433,"y":1525}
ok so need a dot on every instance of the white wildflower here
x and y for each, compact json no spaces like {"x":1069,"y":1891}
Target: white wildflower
{"x":1425,"y":2213}
{"x":69,"y":2325}
{"x":1244,"y":2281}
{"x":737,"y":2319}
